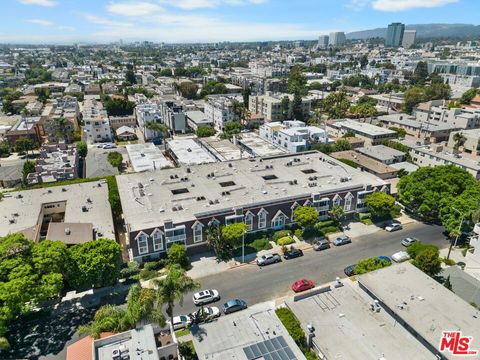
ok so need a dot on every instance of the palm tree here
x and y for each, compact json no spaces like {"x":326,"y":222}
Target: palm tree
{"x":142,"y":305}
{"x":156,"y":127}
{"x":173,"y":287}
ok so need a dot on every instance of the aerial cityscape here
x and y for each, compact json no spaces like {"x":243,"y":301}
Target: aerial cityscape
{"x":240,"y":180}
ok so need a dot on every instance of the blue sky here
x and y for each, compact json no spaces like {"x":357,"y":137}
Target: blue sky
{"x":66,"y":21}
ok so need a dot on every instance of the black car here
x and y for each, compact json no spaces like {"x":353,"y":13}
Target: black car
{"x":350,"y":270}
{"x":291,"y":254}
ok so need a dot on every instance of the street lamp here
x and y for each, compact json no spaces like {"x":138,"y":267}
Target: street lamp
{"x":459,"y":233}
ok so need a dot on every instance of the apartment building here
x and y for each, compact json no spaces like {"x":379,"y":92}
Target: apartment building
{"x":471,"y":143}
{"x":117,"y":122}
{"x":57,"y":162}
{"x":60,"y":119}
{"x":434,"y":155}
{"x":145,"y":113}
{"x":371,"y":134}
{"x":294,"y":136}
{"x":262,"y":192}
{"x":270,"y":106}
{"x":458,"y":118}
{"x":219,"y":110}
{"x":173,"y":116}
{"x":95,"y":119}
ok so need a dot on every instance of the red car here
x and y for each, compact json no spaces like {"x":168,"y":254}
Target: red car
{"x":302,"y":285}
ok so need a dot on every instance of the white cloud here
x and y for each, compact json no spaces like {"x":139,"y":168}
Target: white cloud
{"x":40,"y":22}
{"x":203,"y":4}
{"x":357,"y":4}
{"x":402,"y":5}
{"x":133,"y":8}
{"x":45,"y":3}
{"x":106,"y":22}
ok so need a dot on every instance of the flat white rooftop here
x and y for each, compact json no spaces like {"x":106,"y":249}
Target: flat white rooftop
{"x":150,"y":198}
{"x":258,"y":146}
{"x":189,"y":152}
{"x":20,"y":210}
{"x":346,"y":328}
{"x":423,"y":303}
{"x":365,"y":128}
{"x":146,"y":157}
{"x":224,"y":150}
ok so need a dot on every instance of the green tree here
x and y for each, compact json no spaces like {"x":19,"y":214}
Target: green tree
{"x":205,"y":131}
{"x":418,"y":247}
{"x":468,"y":96}
{"x":93,"y":264}
{"x":420,"y":74}
{"x":459,"y":140}
{"x":82,"y":149}
{"x":173,"y":287}
{"x":114,"y":196}
{"x":429,"y":262}
{"x":231,"y":128}
{"x":285,"y":107}
{"x":380,"y":205}
{"x":142,"y":305}
{"x":337,"y":213}
{"x":157,"y":128}
{"x":305,"y":216}
{"x":4,"y":149}
{"x":188,"y":89}
{"x":28,"y":167}
{"x":233,"y":233}
{"x":213,"y":87}
{"x":297,"y":108}
{"x":413,"y":96}
{"x":118,"y":107}
{"x":371,"y":264}
{"x":166,"y":72}
{"x":297,"y":81}
{"x":336,"y":104}
{"x":400,"y":133}
{"x":24,"y":144}
{"x":177,"y":255}
{"x":130,"y":77}
{"x":223,"y":250}
{"x":115,"y":159}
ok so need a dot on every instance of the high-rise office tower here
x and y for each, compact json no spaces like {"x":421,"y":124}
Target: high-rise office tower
{"x":337,"y":38}
{"x":323,"y":41}
{"x":394,"y":35}
{"x":409,"y":37}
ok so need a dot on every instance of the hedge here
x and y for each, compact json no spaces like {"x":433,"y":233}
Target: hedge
{"x":280,"y":234}
{"x":292,"y":325}
{"x":286,"y":240}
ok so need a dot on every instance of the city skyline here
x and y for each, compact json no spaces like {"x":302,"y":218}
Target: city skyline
{"x":67,"y":21}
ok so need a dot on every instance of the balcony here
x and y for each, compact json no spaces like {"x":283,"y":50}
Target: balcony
{"x":176,"y":238}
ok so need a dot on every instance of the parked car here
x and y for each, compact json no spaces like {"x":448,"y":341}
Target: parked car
{"x":268,"y":259}
{"x":109,"y":146}
{"x":394,"y":227}
{"x":409,"y":241}
{"x":182,"y":321}
{"x":342,"y":240}
{"x":291,"y":254}
{"x":400,"y":256}
{"x":385,"y":258}
{"x":302,"y":285}
{"x":321,"y":244}
{"x":234,"y":305}
{"x":350,"y":270}
{"x":209,"y":313}
{"x":205,"y":296}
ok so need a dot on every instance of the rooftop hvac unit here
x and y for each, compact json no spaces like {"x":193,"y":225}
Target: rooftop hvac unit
{"x":67,"y":231}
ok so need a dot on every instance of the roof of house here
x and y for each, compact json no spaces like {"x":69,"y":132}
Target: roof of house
{"x":364,"y":161}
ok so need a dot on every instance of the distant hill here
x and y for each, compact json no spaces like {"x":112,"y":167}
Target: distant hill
{"x":465,"y":31}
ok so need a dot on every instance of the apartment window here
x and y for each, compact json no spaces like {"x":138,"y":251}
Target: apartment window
{"x":262,"y":220}
{"x":157,"y":241}
{"x":336,"y":201}
{"x":348,"y":203}
{"x":197,"y":233}
{"x":278,"y":222}
{"x":142,"y":244}
{"x":249,"y":221}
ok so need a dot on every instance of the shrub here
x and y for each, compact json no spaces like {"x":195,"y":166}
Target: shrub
{"x":261,"y":244}
{"x":299,"y":234}
{"x":148,"y":274}
{"x":280,"y":234}
{"x":292,"y":325}
{"x":155,"y":265}
{"x":286,"y":240}
{"x":330,"y":230}
{"x":448,"y":262}
{"x":177,"y":254}
{"x":418,"y":247}
{"x":363,"y":216}
{"x":326,"y":223}
{"x":132,"y":268}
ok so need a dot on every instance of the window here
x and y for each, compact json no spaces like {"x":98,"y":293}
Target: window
{"x":249,"y":221}
{"x":262,"y":219}
{"x":142,"y":244}
{"x":197,"y":233}
{"x":278,"y":222}
{"x":179,"y":191}
{"x":348,"y":203}
{"x":157,"y":241}
{"x":337,"y":200}
{"x":227,"y":183}
{"x":294,"y":206}
{"x":269,"y":177}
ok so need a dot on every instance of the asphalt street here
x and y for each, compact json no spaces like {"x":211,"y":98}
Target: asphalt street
{"x":255,"y":284}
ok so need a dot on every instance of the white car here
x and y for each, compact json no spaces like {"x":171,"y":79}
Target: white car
{"x":394,"y":227}
{"x":109,"y":146}
{"x":400,"y":256}
{"x":181,"y":322}
{"x":205,"y":297}
{"x":209,"y":313}
{"x":409,"y":241}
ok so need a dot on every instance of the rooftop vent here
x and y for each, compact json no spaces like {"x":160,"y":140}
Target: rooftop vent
{"x":67,"y":231}
{"x":84,"y":209}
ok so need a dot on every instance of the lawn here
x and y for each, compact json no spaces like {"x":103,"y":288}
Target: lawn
{"x":182,"y":332}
